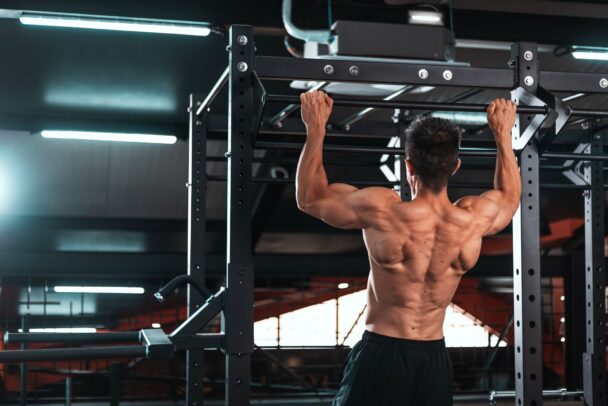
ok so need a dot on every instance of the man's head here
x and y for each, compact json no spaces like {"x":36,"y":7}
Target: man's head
{"x":431,"y":150}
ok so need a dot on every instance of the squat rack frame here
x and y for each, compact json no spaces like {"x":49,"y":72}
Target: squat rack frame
{"x":246,"y":100}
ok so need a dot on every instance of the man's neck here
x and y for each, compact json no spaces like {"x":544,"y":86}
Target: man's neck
{"x":432,"y":198}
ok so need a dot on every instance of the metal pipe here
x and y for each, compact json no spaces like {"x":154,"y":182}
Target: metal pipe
{"x":215,"y":90}
{"x":320,"y":36}
{"x":68,"y":391}
{"x":292,"y":146}
{"x":348,"y":121}
{"x":180,"y":281}
{"x":589,"y":113}
{"x":59,"y":354}
{"x":573,"y":97}
{"x":373,"y":164}
{"x":25,"y":326}
{"x":71,"y":338}
{"x":551,"y":393}
{"x":574,"y":156}
{"x":471,"y":152}
{"x":416,"y":105}
{"x":453,"y":185}
{"x":275,"y":121}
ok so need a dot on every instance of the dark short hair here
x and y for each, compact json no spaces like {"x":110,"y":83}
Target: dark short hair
{"x":432,"y":145}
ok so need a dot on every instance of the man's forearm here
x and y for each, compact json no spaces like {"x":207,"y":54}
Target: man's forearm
{"x":311,"y":179}
{"x":507,"y":178}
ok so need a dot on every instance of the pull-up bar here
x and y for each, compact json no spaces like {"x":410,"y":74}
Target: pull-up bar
{"x":416,"y":105}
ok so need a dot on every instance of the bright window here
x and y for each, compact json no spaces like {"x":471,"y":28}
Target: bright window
{"x":316,"y":326}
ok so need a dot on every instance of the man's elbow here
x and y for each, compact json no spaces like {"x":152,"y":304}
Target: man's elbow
{"x":305,"y":205}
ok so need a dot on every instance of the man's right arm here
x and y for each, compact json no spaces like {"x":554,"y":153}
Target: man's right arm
{"x":495,"y":208}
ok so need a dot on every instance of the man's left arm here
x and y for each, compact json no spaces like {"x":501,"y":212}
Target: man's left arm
{"x":340,"y":205}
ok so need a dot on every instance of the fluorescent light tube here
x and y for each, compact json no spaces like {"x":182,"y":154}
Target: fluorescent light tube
{"x":114,"y":24}
{"x":117,"y":137}
{"x":425,"y":17}
{"x":62,"y":330}
{"x":462,"y":118}
{"x":100,"y":289}
{"x":592,"y":55}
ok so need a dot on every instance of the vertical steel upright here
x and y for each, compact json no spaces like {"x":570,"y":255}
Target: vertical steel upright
{"x":25,"y":327}
{"x":404,"y":188}
{"x":237,"y":320}
{"x":594,"y":364}
{"x":526,"y":248}
{"x":197,"y":185}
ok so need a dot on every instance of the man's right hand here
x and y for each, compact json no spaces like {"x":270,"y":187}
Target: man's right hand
{"x":501,"y":118}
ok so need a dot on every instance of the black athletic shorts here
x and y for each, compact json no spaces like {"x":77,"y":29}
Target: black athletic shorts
{"x":387,"y":371}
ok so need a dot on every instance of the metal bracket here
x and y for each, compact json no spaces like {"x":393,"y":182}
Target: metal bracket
{"x":157,"y":343}
{"x":199,"y":319}
{"x":575,"y":170}
{"x":559,"y":115}
{"x":520,"y":140}
{"x":259,"y":97}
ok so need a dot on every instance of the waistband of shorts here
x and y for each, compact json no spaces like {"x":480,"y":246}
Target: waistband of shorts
{"x":402,"y":343}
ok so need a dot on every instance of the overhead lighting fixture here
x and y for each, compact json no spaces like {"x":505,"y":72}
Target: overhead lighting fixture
{"x":590,"y":53}
{"x":5,"y":190}
{"x":61,"y":330}
{"x":155,"y":325}
{"x":462,"y":118}
{"x":343,"y":285}
{"x":116,"y":137}
{"x":99,"y":289}
{"x":114,"y":23}
{"x":424,"y":17}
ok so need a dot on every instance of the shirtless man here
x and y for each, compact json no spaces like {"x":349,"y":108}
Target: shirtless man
{"x":418,"y":251}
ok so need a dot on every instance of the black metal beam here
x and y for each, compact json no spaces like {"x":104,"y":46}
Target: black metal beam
{"x":574,"y":82}
{"x":594,"y":364}
{"x":71,"y":338}
{"x":237,"y":318}
{"x":206,"y":341}
{"x":574,"y":323}
{"x":197,"y":198}
{"x":202,"y":106}
{"x":282,"y":68}
{"x":526,"y":251}
{"x":66,"y":354}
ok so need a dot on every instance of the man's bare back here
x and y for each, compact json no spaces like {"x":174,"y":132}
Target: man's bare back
{"x":417,"y":258}
{"x":418,"y":250}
